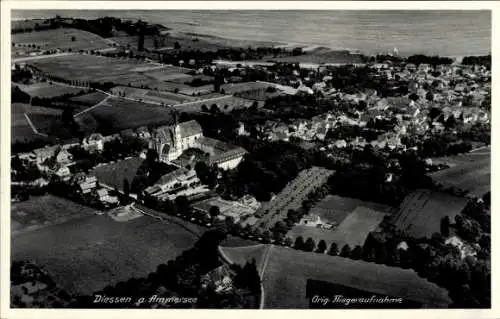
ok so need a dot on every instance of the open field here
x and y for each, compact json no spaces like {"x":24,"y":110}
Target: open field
{"x":86,"y":67}
{"x":90,"y":98}
{"x":151,"y":96}
{"x":167,"y":43}
{"x":116,"y":114}
{"x":287,"y":272}
{"x":44,"y":211}
{"x":47,"y":89}
{"x":225,"y":103}
{"x":241,"y":255}
{"x":61,"y":38}
{"x":470,"y":172}
{"x":21,"y":131}
{"x":27,"y":120}
{"x":84,"y":255}
{"x":113,"y":174}
{"x":322,"y":55}
{"x":292,"y":195}
{"x":352,"y":231}
{"x":232,"y":88}
{"x":28,"y":23}
{"x":334,"y":209}
{"x":421,"y":212}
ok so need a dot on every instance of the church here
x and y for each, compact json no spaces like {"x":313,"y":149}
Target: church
{"x":171,"y":141}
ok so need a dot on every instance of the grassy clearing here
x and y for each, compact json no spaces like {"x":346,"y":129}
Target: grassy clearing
{"x":151,"y":96}
{"x":90,"y":98}
{"x":113,"y":174}
{"x":47,"y":121}
{"x":225,"y":103}
{"x":352,"y":231}
{"x":21,"y":131}
{"x":117,"y":114}
{"x":85,"y":255}
{"x":285,"y":279}
{"x":470,"y":172}
{"x":421,"y":212}
{"x":62,"y":38}
{"x":334,"y":209}
{"x":45,"y":210}
{"x":47,"y":89}
{"x":86,"y":67}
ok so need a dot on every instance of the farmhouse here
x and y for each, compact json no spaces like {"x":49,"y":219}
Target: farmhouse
{"x":85,"y":183}
{"x":179,"y":182}
{"x":93,"y":143}
{"x":171,"y":141}
{"x":231,"y":209}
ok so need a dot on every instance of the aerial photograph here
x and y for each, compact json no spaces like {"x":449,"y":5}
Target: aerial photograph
{"x":250,"y":159}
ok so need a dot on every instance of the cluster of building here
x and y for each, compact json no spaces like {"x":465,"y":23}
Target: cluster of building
{"x":457,"y":91}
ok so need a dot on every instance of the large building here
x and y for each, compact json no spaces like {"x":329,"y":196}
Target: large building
{"x":172,"y":140}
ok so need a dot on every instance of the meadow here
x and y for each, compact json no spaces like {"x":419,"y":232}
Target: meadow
{"x":287,"y":272}
{"x":470,"y":172}
{"x":84,"y":255}
{"x":86,"y":67}
{"x":90,"y":98}
{"x":151,"y":96}
{"x":421,"y":212}
{"x":46,"y":121}
{"x":115,"y":173}
{"x":352,"y":231}
{"x":116,"y":114}
{"x":20,"y":129}
{"x":48,"y":89}
{"x":62,"y":38}
{"x":45,"y":210}
{"x":87,"y":253}
{"x":225,"y":103}
{"x":334,"y":208}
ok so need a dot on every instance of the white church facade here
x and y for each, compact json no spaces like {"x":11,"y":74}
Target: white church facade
{"x":172,"y":140}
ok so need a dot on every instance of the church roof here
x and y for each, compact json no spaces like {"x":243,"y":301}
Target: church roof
{"x":187,"y":129}
{"x":190,"y":128}
{"x":165,"y":134}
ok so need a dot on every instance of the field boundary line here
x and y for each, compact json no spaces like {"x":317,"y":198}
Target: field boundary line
{"x":92,"y":107}
{"x":263,"y":269}
{"x":33,"y":126}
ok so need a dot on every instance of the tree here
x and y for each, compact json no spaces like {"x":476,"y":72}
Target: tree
{"x":280,"y":227}
{"x":288,"y":241}
{"x":309,"y":244}
{"x":346,"y":251}
{"x":321,"y":247}
{"x":266,"y":236}
{"x":177,"y":46}
{"x":214,"y":211}
{"x":126,"y":187}
{"x":214,"y":108}
{"x":357,"y":252}
{"x":413,"y":97}
{"x":299,"y":243}
{"x":429,"y":96}
{"x":334,"y":250}
{"x":445,"y":226}
{"x":204,"y":108}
